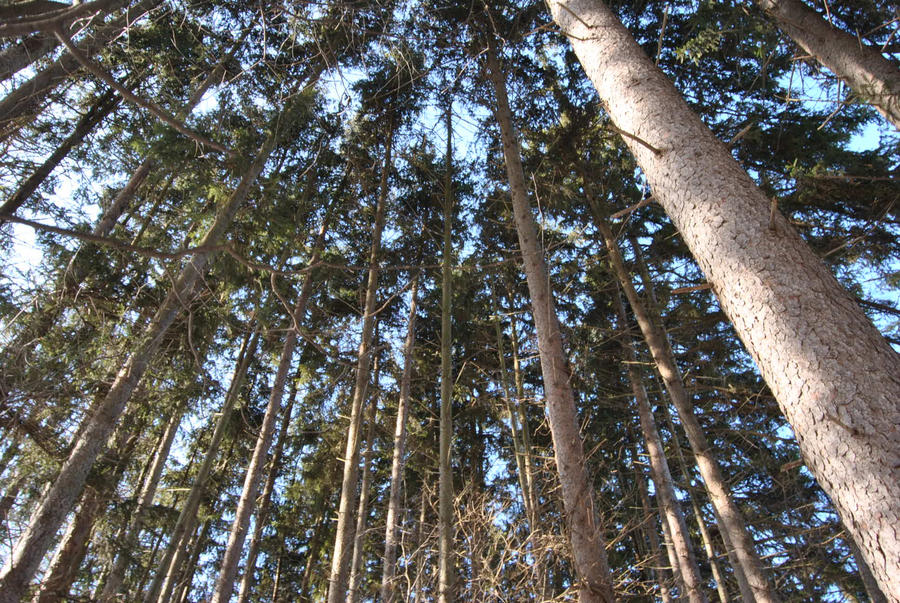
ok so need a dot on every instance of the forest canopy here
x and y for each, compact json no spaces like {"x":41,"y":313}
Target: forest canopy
{"x":382,"y":300}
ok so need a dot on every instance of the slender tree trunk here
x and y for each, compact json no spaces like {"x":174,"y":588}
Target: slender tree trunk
{"x":353,"y":596}
{"x":183,"y":589}
{"x":176,"y":550}
{"x":585,"y":535}
{"x":102,"y":107}
{"x":314,"y":547}
{"x":662,"y":476}
{"x":144,"y":500}
{"x":24,"y":53}
{"x":834,"y":375}
{"x":25,"y":101}
{"x":340,"y":561}
{"x":225,"y":583}
{"x":262,"y":514}
{"x":659,"y":568}
{"x":446,"y":578}
{"x":388,"y":577}
{"x":521,"y":403}
{"x":874,"y":78}
{"x":733,"y":521}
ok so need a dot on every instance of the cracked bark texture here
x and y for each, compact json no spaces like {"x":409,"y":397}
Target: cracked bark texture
{"x":835,"y":377}
{"x":584,"y":530}
{"x":873,"y":77}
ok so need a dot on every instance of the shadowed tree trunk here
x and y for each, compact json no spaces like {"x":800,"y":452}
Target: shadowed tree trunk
{"x":585,"y":536}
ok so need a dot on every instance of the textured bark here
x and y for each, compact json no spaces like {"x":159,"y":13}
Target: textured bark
{"x":585,"y":536}
{"x":662,"y":476}
{"x":24,"y":102}
{"x":388,"y":576}
{"x":99,"y":110}
{"x":247,"y":502}
{"x":835,"y":377}
{"x":262,"y":515}
{"x":873,"y":77}
{"x":340,"y":561}
{"x":732,"y":519}
{"x":445,"y":473}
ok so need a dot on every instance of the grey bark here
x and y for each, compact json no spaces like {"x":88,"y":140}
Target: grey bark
{"x":835,"y":377}
{"x":872,"y":76}
{"x":585,"y":535}
{"x":659,"y":568}
{"x":340,"y":562}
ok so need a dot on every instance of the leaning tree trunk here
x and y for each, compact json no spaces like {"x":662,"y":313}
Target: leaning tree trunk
{"x":659,"y":568}
{"x":874,"y":78}
{"x":445,"y":472}
{"x":247,"y":502}
{"x":52,"y":510}
{"x":585,"y":535}
{"x":340,"y":561}
{"x":659,"y":468}
{"x":835,"y":377}
{"x":101,"y":108}
{"x":262,"y":514}
{"x":732,"y":520}
{"x":389,"y":572}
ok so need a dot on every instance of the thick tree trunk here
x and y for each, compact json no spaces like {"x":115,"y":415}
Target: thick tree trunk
{"x":732,"y":519}
{"x":873,"y":77}
{"x":340,"y":561}
{"x":388,"y":576}
{"x":662,"y":476}
{"x":362,"y":510}
{"x":247,"y":580}
{"x":102,"y":107}
{"x":176,"y":550}
{"x":585,"y":535}
{"x":225,"y":583}
{"x":446,"y":578}
{"x":835,"y":377}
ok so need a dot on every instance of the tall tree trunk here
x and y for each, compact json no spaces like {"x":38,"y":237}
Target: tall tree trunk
{"x":183,"y":588}
{"x":225,"y":583}
{"x":585,"y":535}
{"x":659,"y":568}
{"x":446,"y":578}
{"x":659,"y":468}
{"x":874,"y":78}
{"x":101,"y":108}
{"x":262,"y":514}
{"x":362,"y":511}
{"x":835,"y":377}
{"x":388,"y":576}
{"x":144,"y":500}
{"x":340,"y":561}
{"x":176,"y":550}
{"x":732,"y":519}
{"x":24,"y":102}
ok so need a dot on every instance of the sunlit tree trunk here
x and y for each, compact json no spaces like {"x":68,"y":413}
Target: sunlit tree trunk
{"x":446,"y":551}
{"x":585,"y":536}
{"x":835,"y":377}
{"x":659,"y":567}
{"x":388,"y":577}
{"x":340,"y":562}
{"x":873,"y":77}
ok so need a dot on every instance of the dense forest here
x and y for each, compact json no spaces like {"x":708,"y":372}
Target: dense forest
{"x":385,"y":300}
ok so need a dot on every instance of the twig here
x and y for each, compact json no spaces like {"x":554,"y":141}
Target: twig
{"x":633,"y":208}
{"x":156,"y":110}
{"x":702,"y":287}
